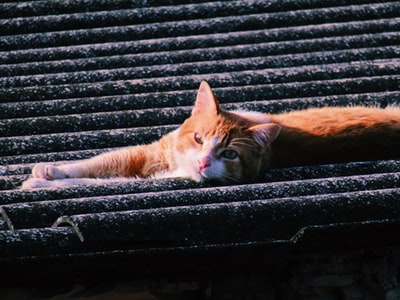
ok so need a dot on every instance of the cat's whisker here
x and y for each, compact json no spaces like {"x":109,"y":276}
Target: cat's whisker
{"x":242,"y":139}
{"x":155,"y":165}
{"x":241,"y":144}
{"x":228,"y":179}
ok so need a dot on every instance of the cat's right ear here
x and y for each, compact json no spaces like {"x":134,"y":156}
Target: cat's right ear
{"x":205,"y":100}
{"x":264,"y":134}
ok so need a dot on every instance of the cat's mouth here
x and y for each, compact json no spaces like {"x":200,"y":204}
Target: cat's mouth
{"x":202,"y":175}
{"x":208,"y":176}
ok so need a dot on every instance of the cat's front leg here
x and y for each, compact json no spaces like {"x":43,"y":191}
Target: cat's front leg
{"x":133,"y":162}
{"x":47,"y":175}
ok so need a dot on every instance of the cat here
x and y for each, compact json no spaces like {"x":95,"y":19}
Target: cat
{"x":237,"y":146}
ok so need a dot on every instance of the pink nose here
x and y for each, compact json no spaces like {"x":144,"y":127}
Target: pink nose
{"x":203,"y":163}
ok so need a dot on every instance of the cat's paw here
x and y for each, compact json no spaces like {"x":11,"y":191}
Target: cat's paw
{"x":37,"y":183}
{"x":48,"y":172}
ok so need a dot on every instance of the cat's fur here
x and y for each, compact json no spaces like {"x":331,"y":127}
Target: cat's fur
{"x":214,"y":144}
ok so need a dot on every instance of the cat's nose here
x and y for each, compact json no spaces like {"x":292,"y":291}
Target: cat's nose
{"x":203,"y":163}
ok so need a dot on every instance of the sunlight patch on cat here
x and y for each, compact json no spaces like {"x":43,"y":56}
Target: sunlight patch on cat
{"x":235,"y":147}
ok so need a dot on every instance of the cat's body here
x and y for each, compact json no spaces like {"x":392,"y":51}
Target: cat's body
{"x":336,"y":134}
{"x":214,"y":144}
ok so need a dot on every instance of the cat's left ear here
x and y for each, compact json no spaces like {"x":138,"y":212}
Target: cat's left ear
{"x":205,"y":100}
{"x":264,"y":134}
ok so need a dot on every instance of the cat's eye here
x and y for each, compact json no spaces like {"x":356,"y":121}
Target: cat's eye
{"x":229,"y":154}
{"x":198,"y":138}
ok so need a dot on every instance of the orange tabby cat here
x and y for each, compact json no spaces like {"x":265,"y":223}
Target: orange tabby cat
{"x":214,"y":144}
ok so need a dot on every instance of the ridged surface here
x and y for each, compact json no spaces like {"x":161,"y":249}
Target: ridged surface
{"x":78,"y":78}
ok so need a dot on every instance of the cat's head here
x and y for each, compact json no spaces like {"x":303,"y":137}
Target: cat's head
{"x":214,"y":144}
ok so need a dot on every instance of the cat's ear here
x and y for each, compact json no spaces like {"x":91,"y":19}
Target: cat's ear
{"x":264,"y":134}
{"x":205,"y":100}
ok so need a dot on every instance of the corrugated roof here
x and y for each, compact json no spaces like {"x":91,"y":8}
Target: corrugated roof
{"x":81,"y":77}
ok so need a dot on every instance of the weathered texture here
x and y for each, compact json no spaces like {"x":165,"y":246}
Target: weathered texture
{"x":78,"y":78}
